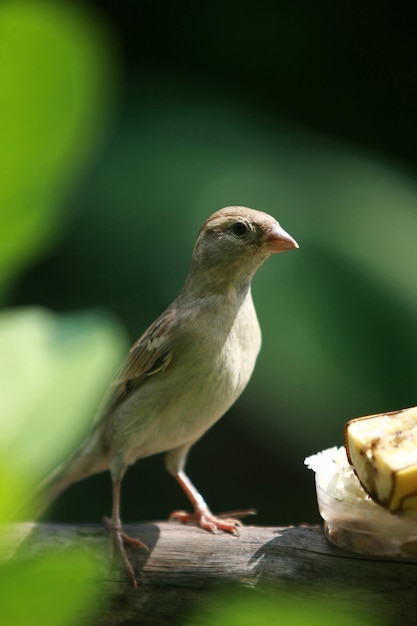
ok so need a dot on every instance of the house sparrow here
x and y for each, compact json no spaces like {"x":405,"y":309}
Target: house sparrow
{"x":186,"y":370}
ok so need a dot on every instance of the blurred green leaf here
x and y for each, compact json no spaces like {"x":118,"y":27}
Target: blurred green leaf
{"x":267,"y":609}
{"x":15,"y":488}
{"x":53,"y":98}
{"x":52,"y":590}
{"x":53,"y":372}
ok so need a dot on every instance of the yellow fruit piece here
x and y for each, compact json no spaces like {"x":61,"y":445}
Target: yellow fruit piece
{"x":383,"y":452}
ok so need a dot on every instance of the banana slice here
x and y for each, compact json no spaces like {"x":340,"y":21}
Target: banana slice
{"x":383,"y":452}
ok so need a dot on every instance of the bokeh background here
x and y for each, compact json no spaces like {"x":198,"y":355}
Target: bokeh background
{"x":304,"y":110}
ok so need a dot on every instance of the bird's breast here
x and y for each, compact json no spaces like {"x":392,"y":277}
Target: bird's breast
{"x":208,"y":372}
{"x":237,"y":355}
{"x":217,"y":367}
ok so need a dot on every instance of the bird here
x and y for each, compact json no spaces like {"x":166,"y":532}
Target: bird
{"x":184,"y":372}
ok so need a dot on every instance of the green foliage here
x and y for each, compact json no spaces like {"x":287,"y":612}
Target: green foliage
{"x":267,"y":609}
{"x":53,"y":369}
{"x":53,"y":95}
{"x":52,"y":590}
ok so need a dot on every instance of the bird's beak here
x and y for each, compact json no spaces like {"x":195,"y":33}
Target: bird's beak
{"x":276,"y":239}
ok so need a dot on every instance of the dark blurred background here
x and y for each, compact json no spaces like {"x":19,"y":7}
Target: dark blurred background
{"x":306,"y":111}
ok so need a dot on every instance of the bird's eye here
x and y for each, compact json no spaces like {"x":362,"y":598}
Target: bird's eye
{"x":239,"y":229}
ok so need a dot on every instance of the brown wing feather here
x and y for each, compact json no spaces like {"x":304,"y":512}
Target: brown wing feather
{"x":151,"y":354}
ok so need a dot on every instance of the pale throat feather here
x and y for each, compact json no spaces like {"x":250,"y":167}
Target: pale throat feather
{"x":242,"y":345}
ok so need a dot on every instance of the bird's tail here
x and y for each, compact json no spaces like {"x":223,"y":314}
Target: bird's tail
{"x":85,"y":462}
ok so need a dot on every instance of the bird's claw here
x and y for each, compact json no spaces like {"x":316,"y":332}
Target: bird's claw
{"x":120,"y":539}
{"x":212,"y":523}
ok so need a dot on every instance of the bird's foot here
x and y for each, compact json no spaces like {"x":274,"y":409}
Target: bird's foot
{"x":228,"y":522}
{"x":119,"y":540}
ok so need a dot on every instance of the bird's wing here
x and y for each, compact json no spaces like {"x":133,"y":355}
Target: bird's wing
{"x":151,"y":354}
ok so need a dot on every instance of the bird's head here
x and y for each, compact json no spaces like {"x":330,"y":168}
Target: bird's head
{"x":233,"y":242}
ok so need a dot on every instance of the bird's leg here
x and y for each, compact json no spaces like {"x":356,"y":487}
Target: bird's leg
{"x":202,"y":514}
{"x":119,"y":538}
